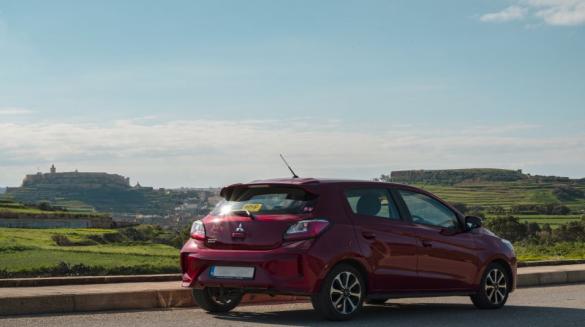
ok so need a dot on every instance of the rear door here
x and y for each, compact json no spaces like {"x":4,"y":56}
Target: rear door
{"x":447,"y":256}
{"x":385,"y":239}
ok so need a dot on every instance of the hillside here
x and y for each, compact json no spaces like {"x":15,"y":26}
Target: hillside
{"x":493,"y":192}
{"x":97,"y":191}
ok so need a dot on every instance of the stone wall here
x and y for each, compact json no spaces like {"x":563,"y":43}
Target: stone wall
{"x":453,"y":176}
{"x":105,"y":222}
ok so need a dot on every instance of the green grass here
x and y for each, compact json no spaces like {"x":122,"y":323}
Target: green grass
{"x":26,"y":251}
{"x":31,"y":260}
{"x":556,"y":251}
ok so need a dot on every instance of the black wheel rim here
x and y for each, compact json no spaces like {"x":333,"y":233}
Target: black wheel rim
{"x":223,"y":297}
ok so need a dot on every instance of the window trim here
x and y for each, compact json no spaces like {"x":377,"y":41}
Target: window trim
{"x":404,"y":207}
{"x":391,"y":197}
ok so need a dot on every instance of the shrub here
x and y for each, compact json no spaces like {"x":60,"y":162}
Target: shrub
{"x":62,"y":240}
{"x":573,"y":231}
{"x":568,"y":193}
{"x":545,"y":209}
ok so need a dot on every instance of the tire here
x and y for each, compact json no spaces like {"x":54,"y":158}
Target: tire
{"x":494,"y":288}
{"x":342,"y":294}
{"x":216,"y":300}
{"x":376,"y":301}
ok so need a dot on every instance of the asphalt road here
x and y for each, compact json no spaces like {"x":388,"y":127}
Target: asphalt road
{"x":545,"y":306}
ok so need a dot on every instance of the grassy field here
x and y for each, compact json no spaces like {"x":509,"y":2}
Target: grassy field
{"x":33,"y":252}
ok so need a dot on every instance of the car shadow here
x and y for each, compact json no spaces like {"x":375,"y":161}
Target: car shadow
{"x":420,"y":314}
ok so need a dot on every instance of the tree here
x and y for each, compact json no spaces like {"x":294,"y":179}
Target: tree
{"x":462,"y":207}
{"x":508,"y":227}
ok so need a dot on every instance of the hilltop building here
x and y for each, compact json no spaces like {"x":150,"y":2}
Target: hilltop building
{"x":75,"y":179}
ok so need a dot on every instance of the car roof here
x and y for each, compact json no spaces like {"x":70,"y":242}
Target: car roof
{"x":317,"y":181}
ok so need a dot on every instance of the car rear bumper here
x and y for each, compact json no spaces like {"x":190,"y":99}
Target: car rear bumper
{"x":285,"y":270}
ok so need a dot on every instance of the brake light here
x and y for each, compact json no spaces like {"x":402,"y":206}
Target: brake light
{"x":198,"y":230}
{"x":306,"y":229}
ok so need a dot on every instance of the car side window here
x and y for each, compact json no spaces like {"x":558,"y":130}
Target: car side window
{"x":375,"y":202}
{"x":428,"y":211}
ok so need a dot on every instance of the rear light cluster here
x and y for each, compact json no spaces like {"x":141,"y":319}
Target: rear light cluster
{"x":198,"y":230}
{"x":305,"y":229}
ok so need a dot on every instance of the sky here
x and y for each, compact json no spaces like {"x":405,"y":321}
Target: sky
{"x":208,"y":93}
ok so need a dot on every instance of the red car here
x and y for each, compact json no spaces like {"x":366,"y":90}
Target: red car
{"x":342,"y":243}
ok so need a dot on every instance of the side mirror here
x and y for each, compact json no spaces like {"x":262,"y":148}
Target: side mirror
{"x":473,"y":222}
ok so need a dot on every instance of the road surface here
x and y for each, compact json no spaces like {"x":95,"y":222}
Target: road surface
{"x":544,"y":306}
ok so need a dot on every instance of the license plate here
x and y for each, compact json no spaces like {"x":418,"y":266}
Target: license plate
{"x":232,"y":272}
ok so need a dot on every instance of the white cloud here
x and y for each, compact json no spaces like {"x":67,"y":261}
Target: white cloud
{"x":506,"y":15}
{"x":214,"y":152}
{"x":551,"y":12}
{"x":14,"y":111}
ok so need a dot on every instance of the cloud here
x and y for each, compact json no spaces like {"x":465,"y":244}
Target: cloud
{"x":14,"y":111}
{"x":509,"y":14}
{"x":562,"y":13}
{"x":216,"y":152}
{"x":551,"y":12}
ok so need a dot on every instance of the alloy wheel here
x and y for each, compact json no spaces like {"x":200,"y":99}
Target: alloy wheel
{"x":345,"y":293}
{"x":496,"y":287}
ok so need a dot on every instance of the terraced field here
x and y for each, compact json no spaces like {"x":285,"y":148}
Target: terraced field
{"x":508,"y":194}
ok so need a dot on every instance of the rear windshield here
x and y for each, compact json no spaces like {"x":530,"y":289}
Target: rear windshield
{"x":267,"y":200}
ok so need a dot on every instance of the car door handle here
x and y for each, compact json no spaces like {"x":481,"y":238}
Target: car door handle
{"x":369,"y":235}
{"x":427,"y":244}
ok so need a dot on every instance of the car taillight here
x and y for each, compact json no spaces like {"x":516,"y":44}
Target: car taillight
{"x":305,"y":229}
{"x":198,"y":230}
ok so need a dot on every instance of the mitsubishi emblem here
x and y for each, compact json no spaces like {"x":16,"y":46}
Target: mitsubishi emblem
{"x":240,"y":228}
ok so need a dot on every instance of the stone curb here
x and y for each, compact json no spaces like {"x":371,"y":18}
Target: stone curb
{"x":551,"y":278}
{"x":137,"y":300}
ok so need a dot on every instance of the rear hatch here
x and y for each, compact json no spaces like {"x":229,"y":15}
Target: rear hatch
{"x":255,"y":217}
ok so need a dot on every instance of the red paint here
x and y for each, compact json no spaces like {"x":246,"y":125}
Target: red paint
{"x":396,"y":256}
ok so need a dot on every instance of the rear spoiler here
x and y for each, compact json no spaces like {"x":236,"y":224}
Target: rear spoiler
{"x":227,"y":191}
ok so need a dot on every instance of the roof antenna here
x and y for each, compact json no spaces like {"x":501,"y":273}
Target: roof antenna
{"x":288,"y":166}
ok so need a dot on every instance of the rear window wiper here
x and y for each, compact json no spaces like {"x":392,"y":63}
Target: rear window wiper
{"x":244,"y":213}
